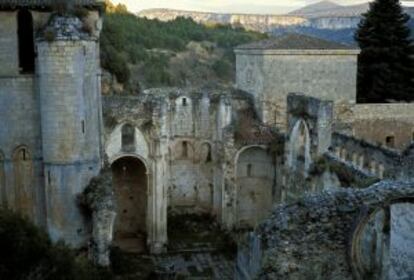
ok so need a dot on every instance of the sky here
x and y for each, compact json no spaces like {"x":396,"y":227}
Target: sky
{"x":231,"y":6}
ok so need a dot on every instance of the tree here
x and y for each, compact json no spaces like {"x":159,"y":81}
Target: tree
{"x":386,"y":62}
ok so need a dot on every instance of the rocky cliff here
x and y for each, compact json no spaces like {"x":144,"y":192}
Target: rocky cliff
{"x":324,"y":19}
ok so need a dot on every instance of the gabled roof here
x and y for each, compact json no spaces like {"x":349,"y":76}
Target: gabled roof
{"x":295,"y":41}
{"x":12,"y":4}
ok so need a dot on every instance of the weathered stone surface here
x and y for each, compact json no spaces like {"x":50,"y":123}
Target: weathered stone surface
{"x":312,"y":237}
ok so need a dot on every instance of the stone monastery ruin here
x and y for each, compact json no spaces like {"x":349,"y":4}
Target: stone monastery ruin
{"x":290,"y":131}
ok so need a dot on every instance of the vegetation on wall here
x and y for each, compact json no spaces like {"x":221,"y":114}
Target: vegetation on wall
{"x":129,"y":40}
{"x":386,"y":63}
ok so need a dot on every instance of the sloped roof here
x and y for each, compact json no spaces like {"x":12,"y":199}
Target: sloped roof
{"x":294,"y":41}
{"x":44,"y":3}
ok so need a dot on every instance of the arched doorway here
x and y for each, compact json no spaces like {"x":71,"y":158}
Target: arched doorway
{"x":130,"y":186}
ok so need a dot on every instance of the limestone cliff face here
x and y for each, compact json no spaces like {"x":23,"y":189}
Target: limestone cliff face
{"x":331,"y":18}
{"x":262,"y":23}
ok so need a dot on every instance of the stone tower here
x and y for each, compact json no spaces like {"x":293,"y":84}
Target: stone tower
{"x":69,"y":86}
{"x":50,"y":111}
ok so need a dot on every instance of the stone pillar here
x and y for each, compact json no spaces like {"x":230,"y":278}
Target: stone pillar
{"x":102,"y":235}
{"x":157,"y":206}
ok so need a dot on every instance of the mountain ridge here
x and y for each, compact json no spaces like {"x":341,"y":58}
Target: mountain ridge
{"x":324,"y":19}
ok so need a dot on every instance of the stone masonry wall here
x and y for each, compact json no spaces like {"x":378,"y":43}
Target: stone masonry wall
{"x":8,"y":44}
{"x":312,"y":238}
{"x":375,"y":122}
{"x":271,"y":75}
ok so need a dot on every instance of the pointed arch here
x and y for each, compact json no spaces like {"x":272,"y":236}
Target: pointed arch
{"x":299,"y":157}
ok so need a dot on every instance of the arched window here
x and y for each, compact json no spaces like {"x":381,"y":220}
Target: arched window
{"x":184,"y":149}
{"x":26,"y":41}
{"x":128,"y":137}
{"x":206,"y":153}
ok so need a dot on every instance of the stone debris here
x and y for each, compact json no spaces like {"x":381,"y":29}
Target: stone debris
{"x":301,"y":240}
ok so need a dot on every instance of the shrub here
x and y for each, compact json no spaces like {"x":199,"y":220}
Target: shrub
{"x":131,"y":37}
{"x":223,"y":69}
{"x":27,"y":253}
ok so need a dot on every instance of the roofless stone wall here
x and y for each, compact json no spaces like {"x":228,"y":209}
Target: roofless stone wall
{"x":320,"y":236}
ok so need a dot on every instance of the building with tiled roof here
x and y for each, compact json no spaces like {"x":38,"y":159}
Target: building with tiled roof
{"x":273,"y":68}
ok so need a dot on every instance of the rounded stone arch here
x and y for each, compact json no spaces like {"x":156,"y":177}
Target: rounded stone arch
{"x":243,"y":149}
{"x":21,"y":152}
{"x":183,"y":149}
{"x":254,"y":173}
{"x":146,"y":162}
{"x":206,"y":154}
{"x":183,"y":101}
{"x":114,"y":143}
{"x":299,"y":157}
{"x":380,"y":238}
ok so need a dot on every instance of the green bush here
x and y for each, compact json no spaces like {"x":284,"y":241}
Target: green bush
{"x":223,"y":69}
{"x":127,"y":38}
{"x":27,"y":253}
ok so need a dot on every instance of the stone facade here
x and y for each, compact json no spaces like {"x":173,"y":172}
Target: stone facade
{"x":225,"y":152}
{"x":351,"y":227}
{"x":271,"y":74}
{"x":50,"y":132}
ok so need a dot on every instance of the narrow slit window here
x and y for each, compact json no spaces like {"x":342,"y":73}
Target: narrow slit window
{"x":83,"y":127}
{"x":184,"y":101}
{"x":249,"y":170}
{"x":185,"y":149}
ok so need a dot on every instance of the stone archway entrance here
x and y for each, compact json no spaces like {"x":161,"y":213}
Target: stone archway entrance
{"x":130,"y":186}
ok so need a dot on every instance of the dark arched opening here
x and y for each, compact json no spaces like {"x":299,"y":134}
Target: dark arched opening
{"x":26,"y":42}
{"x":130,"y":186}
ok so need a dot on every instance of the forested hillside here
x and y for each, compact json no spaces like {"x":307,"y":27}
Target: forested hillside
{"x":144,"y":53}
